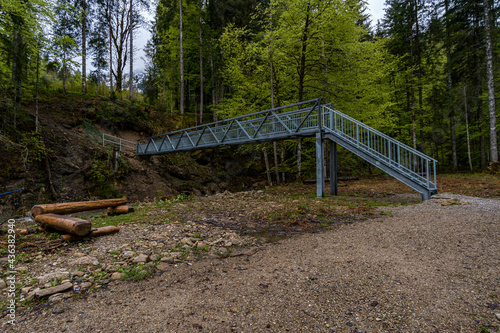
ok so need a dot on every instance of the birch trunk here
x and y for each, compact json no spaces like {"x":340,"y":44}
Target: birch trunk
{"x":491,"y":84}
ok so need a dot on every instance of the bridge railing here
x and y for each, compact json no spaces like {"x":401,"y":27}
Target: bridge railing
{"x":406,"y":160}
{"x":116,"y":141}
{"x":259,"y":126}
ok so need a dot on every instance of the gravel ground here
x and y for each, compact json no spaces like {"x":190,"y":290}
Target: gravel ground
{"x":426,"y":268}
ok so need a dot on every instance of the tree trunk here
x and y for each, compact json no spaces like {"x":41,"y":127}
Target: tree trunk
{"x":111,"y":86}
{"x":276,"y":162}
{"x":283,"y":162}
{"x":64,"y":70}
{"x":201,"y":68}
{"x":131,"y":87}
{"x":181,"y":56}
{"x":212,"y":79}
{"x":302,"y":69}
{"x":84,"y":47}
{"x":467,"y":128}
{"x":450,"y":96}
{"x":268,"y":171}
{"x":17,"y":63}
{"x":299,"y":159}
{"x":37,"y":125}
{"x":491,"y":84}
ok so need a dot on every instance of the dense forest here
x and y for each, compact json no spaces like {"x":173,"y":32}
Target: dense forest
{"x":426,"y":74}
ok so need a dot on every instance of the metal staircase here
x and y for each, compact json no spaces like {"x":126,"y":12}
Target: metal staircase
{"x":306,"y":119}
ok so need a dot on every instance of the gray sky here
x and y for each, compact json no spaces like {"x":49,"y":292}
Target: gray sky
{"x":376,"y":9}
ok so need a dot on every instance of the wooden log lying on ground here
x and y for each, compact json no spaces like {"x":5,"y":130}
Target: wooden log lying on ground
{"x":66,"y":224}
{"x":26,"y":231}
{"x":75,"y":207}
{"x":120,"y":210}
{"x":93,"y":233}
{"x":313,"y":181}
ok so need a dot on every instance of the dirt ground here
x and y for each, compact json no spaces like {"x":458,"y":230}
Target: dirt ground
{"x":425,"y":267}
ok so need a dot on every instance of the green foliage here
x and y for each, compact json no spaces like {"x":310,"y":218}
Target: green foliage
{"x":37,"y":149}
{"x":136,"y":273}
{"x":102,"y":173}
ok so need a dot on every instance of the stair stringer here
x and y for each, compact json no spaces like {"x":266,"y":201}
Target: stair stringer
{"x":393,"y":172}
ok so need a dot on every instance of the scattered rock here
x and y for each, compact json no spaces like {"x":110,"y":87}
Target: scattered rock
{"x":141,"y":259}
{"x":78,"y":273}
{"x":3,"y":285}
{"x":87,"y":260}
{"x":223,"y":251}
{"x":51,"y":276}
{"x":53,"y":290}
{"x":168,"y":260}
{"x":374,"y":303}
{"x":497,"y":315}
{"x":449,"y":202}
{"x":56,"y":298}
{"x":127,"y":254}
{"x":86,"y":285}
{"x":117,"y":276}
{"x":163,"y":266}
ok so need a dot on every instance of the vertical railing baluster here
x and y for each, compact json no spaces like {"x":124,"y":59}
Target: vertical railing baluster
{"x":357,"y":134}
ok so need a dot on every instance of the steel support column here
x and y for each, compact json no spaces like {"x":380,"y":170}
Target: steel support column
{"x":333,"y":168}
{"x":320,"y":166}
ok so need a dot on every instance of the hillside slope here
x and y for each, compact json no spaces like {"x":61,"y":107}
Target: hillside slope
{"x":63,"y":164}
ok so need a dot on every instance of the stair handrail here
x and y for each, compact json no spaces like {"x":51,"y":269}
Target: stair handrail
{"x":385,"y":136}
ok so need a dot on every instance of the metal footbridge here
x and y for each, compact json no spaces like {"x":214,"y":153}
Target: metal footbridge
{"x":306,"y":119}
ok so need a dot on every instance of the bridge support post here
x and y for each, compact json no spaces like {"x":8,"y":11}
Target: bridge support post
{"x":320,"y":166}
{"x":333,"y":168}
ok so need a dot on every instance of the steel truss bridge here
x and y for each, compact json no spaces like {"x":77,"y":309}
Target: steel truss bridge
{"x":307,"y":119}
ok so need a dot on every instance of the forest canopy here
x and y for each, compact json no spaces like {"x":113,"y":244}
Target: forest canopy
{"x":426,"y":74}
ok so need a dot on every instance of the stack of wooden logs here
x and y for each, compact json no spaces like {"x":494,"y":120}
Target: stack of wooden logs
{"x":53,"y":216}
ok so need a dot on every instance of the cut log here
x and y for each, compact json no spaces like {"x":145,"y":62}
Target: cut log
{"x":93,"y":233}
{"x":70,"y":225}
{"x":75,"y":207}
{"x":26,"y":231}
{"x":104,"y":231}
{"x":120,"y":210}
{"x":313,"y":181}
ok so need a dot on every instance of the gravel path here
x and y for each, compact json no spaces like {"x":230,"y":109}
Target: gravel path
{"x":426,"y":268}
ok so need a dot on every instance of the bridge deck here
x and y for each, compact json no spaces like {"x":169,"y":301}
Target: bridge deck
{"x":305,"y":119}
